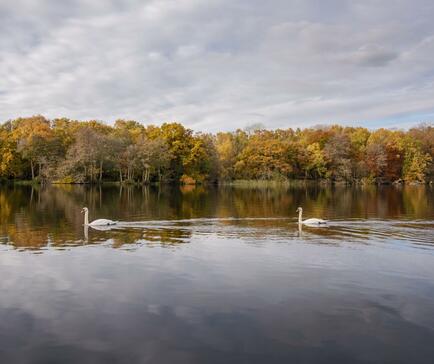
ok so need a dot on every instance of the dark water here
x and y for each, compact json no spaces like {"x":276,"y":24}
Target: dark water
{"x":197,"y":275}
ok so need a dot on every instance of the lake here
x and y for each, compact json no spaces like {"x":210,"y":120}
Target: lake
{"x":217,"y":275}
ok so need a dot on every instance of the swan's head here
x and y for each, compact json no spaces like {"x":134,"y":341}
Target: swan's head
{"x":84,"y":209}
{"x":299,"y":209}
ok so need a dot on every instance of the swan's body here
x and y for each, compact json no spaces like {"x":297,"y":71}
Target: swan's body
{"x":311,"y":222}
{"x":99,"y":222}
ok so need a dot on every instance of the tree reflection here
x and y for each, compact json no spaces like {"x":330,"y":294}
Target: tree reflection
{"x":41,"y":216}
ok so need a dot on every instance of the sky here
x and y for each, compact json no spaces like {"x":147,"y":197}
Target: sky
{"x":220,"y":65}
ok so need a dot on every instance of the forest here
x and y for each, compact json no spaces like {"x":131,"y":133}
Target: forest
{"x":70,"y":151}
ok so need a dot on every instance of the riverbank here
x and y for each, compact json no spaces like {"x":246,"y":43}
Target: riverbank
{"x":236,"y":183}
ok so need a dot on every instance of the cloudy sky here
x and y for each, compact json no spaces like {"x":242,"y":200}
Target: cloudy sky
{"x":219,"y":65}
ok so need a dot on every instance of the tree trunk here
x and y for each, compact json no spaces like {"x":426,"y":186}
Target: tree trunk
{"x":120,"y":175}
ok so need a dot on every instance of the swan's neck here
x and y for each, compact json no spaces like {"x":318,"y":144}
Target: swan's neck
{"x":86,"y":218}
{"x":300,"y":217}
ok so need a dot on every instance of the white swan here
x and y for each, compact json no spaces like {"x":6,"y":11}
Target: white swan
{"x":99,"y":222}
{"x":312,"y":222}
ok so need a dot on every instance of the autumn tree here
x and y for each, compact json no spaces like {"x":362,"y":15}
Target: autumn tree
{"x":86,"y":155}
{"x":266,"y":155}
{"x":33,"y":137}
{"x":8,"y":152}
{"x":201,"y":163}
{"x":390,"y":146}
{"x":424,"y":135}
{"x":154,"y":157}
{"x":337,"y":151}
{"x":416,"y":162}
{"x":376,"y":160}
{"x":179,"y":141}
{"x":315,"y":164}
{"x":75,"y":151}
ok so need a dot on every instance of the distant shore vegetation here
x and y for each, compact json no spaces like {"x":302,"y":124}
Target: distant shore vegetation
{"x":70,"y":151}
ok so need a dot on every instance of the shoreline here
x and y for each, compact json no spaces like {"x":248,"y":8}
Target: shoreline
{"x":235,"y":183}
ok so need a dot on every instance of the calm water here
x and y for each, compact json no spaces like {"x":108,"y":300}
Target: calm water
{"x":195,"y":275}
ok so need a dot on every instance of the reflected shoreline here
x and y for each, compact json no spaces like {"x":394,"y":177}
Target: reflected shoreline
{"x":32,"y":218}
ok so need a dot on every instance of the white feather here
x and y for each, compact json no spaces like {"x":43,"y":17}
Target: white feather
{"x":315,"y":221}
{"x":310,"y":222}
{"x":99,"y":222}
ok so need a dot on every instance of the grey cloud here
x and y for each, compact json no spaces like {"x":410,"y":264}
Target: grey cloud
{"x":372,"y":55}
{"x":217,"y":65}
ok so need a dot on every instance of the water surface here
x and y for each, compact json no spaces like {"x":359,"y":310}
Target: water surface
{"x":217,"y":275}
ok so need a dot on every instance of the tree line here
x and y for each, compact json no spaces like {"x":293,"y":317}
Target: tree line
{"x":70,"y":151}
